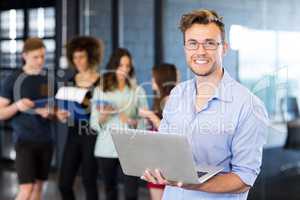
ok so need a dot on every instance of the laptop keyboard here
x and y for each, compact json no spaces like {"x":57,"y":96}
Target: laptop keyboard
{"x":200,"y":174}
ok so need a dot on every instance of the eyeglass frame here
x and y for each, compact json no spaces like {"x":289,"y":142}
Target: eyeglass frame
{"x":203,"y":44}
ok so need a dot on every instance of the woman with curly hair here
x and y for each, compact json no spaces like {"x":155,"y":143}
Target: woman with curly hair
{"x":84,"y":54}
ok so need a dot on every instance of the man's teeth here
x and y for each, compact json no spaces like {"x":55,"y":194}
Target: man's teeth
{"x":201,"y":61}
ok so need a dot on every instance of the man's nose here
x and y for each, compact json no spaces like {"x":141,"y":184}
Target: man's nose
{"x":201,"y":49}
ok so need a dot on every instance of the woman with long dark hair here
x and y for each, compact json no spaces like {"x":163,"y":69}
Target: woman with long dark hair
{"x":123,"y":100}
{"x":164,"y":79}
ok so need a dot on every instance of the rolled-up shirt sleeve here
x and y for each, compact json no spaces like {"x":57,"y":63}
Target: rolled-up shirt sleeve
{"x":248,"y":141}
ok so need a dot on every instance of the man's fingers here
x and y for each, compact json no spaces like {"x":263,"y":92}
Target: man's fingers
{"x":149,"y":177}
{"x":156,"y":177}
{"x":160,"y":178}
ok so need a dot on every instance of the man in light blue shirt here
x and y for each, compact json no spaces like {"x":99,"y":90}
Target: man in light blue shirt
{"x":225,"y":123}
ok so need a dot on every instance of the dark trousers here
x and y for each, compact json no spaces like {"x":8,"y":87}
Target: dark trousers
{"x":79,"y":151}
{"x":109,"y":170}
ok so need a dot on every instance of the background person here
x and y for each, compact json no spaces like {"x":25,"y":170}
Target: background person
{"x":84,"y":53}
{"x":31,"y":124}
{"x":124,"y":99}
{"x":164,"y":79}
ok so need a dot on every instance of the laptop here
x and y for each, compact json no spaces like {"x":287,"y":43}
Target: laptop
{"x":139,"y":150}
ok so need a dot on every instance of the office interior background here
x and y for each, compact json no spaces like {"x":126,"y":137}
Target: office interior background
{"x":264,"y":37}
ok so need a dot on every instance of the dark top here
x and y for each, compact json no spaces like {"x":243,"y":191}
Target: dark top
{"x":78,"y":124}
{"x":28,"y":126}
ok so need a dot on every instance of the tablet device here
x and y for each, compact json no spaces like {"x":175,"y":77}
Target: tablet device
{"x":41,"y":103}
{"x":139,"y":150}
{"x":102,"y":102}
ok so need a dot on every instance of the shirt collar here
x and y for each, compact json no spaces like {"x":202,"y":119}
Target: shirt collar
{"x":224,"y":89}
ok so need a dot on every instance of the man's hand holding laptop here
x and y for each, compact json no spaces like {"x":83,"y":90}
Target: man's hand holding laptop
{"x":224,"y":183}
{"x":158,"y":178}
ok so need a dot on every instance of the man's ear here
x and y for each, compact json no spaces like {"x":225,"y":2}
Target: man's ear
{"x":225,"y":48}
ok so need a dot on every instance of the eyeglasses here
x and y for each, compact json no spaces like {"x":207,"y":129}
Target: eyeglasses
{"x":207,"y":44}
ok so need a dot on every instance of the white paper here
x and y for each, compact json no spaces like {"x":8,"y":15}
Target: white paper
{"x":71,"y":94}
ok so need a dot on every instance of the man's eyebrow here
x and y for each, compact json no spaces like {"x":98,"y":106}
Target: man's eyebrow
{"x":194,"y":40}
{"x":209,"y":39}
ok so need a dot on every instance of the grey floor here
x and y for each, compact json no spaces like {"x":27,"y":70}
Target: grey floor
{"x":8,"y":188}
{"x":8,"y":177}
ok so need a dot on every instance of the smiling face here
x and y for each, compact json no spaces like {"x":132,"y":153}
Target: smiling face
{"x":204,"y":62}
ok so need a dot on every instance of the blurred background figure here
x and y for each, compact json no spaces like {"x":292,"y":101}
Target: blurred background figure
{"x":123,"y":98}
{"x":30,"y":123}
{"x":84,"y":54}
{"x":164,"y":78}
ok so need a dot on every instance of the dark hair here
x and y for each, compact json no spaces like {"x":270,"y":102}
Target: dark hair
{"x":92,"y":46}
{"x":109,"y":78}
{"x":202,"y":16}
{"x":32,"y":44}
{"x":165,"y":76}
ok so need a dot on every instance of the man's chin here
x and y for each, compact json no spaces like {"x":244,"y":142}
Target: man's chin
{"x":200,"y":73}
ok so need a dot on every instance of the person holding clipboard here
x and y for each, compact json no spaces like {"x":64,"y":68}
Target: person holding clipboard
{"x":84,"y":53}
{"x":25,"y":100}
